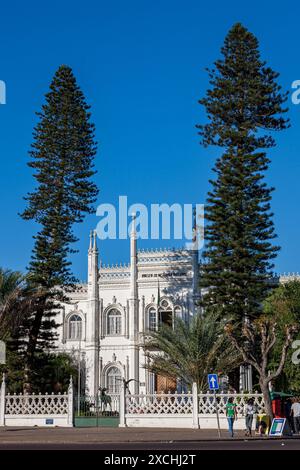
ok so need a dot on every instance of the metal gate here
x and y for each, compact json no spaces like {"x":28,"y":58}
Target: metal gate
{"x":92,"y":411}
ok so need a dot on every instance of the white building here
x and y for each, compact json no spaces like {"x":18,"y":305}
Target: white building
{"x":106,"y":319}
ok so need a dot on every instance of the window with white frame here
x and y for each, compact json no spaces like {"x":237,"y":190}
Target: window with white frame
{"x":75,"y":327}
{"x":113,"y":380}
{"x":152,"y":319}
{"x":177,"y":312}
{"x":114,"y":322}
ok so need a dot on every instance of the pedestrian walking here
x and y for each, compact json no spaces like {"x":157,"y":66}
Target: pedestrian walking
{"x":249,"y":412}
{"x":287,"y":413}
{"x":295,"y":413}
{"x":231,"y":414}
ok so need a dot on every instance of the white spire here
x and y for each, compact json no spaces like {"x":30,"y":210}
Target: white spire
{"x":133,"y":260}
{"x":91,"y":241}
{"x":195,"y":230}
{"x":195,"y":256}
{"x":93,"y":265}
{"x":133,"y":227}
{"x":95,"y":241}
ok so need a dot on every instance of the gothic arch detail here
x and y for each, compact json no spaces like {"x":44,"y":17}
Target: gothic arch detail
{"x":75,"y":326}
{"x":112,"y":377}
{"x":114,"y":320}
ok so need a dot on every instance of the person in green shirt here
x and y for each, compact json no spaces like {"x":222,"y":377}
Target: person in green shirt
{"x":231,"y":414}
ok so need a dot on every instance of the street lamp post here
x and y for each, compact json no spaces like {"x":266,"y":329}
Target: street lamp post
{"x":79,"y":378}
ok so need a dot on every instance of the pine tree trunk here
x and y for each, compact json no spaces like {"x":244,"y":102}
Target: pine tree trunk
{"x":26,"y":380}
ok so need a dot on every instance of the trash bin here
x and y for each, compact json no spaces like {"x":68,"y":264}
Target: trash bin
{"x":263,"y":423}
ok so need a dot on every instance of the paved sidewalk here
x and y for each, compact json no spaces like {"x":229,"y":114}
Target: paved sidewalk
{"x":113,"y":435}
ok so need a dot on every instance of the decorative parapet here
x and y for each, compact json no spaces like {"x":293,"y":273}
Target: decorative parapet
{"x":36,"y":404}
{"x":116,"y":267}
{"x":166,"y":255}
{"x":81,"y":288}
{"x":121,"y":271}
{"x":287,"y":277}
{"x":77,"y":291}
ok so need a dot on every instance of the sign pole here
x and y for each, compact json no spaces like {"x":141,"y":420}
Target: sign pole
{"x":213,"y":384}
{"x":217,"y":413}
{"x":97,"y":410}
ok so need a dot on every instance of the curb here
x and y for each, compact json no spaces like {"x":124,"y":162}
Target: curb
{"x":151,"y":441}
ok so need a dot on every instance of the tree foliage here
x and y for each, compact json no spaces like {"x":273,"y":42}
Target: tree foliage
{"x":190,"y":351}
{"x":17,"y":300}
{"x":284,"y":305}
{"x":257,"y":342}
{"x":244,"y":104}
{"x":51,"y":372}
{"x":62,"y":156}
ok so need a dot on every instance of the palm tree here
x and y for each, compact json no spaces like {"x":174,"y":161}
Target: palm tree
{"x":15,"y":301}
{"x":190,"y":351}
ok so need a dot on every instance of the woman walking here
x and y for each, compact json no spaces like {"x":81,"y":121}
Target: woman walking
{"x":250,"y":411}
{"x":231,"y":414}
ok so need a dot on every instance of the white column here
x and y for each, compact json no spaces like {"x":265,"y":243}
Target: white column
{"x":2,"y":401}
{"x":122,"y":423}
{"x":142,"y":316}
{"x":127,"y":368}
{"x":246,"y":378}
{"x":127,"y":319}
{"x":92,"y":323}
{"x":133,"y":260}
{"x":195,"y":274}
{"x":70,"y":403}
{"x":133,"y":308}
{"x":195,"y":424}
{"x":64,"y":332}
{"x":195,"y":262}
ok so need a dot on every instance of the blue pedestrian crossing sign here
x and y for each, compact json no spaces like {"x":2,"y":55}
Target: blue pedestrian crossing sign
{"x":213,"y":381}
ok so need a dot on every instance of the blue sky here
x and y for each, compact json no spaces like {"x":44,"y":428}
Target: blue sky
{"x":141,"y":65}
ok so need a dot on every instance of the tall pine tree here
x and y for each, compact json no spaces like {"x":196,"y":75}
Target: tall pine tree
{"x":243,"y":105}
{"x":62,"y":158}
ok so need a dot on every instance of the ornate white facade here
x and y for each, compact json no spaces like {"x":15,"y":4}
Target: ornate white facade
{"x":106,"y":319}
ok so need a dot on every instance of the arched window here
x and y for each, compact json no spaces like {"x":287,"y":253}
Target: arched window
{"x":152,"y":319}
{"x":114,"y":322}
{"x":114,"y":380}
{"x":165,"y":312}
{"x":177,"y":312}
{"x":75,"y":327}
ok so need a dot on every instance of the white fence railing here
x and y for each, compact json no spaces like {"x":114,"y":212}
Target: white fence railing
{"x":191,"y":410}
{"x":160,"y":403}
{"x":36,"y":404}
{"x":36,"y":409}
{"x":207,"y":403}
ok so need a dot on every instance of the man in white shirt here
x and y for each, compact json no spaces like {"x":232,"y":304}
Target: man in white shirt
{"x":295,"y":412}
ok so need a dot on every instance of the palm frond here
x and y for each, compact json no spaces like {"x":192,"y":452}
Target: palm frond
{"x":189,"y":351}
